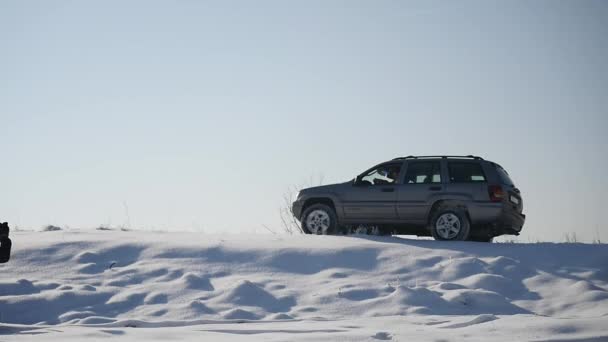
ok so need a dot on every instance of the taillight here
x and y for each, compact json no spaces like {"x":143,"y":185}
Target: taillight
{"x":496,"y":193}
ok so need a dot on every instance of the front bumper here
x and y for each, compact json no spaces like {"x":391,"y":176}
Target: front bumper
{"x":296,"y":208}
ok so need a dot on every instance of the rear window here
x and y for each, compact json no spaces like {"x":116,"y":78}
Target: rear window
{"x":504,"y":176}
{"x":465,"y":172}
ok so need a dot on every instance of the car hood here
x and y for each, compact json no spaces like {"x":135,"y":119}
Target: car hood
{"x":325,"y":188}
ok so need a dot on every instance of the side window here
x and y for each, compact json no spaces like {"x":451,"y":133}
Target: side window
{"x":382,"y":175}
{"x":423,"y":173}
{"x":465,"y":172}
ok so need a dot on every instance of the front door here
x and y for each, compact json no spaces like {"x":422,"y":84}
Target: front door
{"x":372,"y":197}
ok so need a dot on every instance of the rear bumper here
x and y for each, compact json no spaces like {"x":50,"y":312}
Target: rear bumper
{"x":510,"y":222}
{"x":497,"y":218}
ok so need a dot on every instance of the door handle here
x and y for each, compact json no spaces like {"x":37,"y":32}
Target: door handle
{"x":435,"y":188}
{"x":388,"y":189}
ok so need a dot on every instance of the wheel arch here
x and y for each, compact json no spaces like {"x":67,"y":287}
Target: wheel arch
{"x":452,"y":202}
{"x":319,"y":200}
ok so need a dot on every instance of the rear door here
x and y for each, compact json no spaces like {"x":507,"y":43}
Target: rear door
{"x":467,"y":181}
{"x":421,"y":183}
{"x":373,"y":198}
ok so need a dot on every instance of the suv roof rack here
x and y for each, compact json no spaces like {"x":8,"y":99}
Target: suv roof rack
{"x":443,"y":157}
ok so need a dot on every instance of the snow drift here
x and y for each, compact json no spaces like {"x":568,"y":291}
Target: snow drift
{"x":105,"y":279}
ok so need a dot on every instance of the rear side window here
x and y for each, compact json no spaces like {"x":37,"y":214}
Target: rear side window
{"x":465,"y":172}
{"x":504,"y":176}
{"x":423,"y":173}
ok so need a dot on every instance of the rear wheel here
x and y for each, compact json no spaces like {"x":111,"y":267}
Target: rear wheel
{"x":450,"y":223}
{"x":319,"y":219}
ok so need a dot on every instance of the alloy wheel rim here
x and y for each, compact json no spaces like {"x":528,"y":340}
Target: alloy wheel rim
{"x":448,"y":226}
{"x":318,"y":222}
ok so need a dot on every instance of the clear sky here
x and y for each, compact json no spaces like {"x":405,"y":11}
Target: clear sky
{"x":198,"y":115}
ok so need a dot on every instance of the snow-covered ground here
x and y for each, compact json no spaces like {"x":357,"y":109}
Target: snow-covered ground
{"x":99,"y":285}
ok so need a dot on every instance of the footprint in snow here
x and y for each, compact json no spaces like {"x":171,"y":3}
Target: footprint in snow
{"x":381,"y":335}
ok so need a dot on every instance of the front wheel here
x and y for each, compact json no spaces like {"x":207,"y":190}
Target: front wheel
{"x":319,"y":219}
{"x":450,"y":223}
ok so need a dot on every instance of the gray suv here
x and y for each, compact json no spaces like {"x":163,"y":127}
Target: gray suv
{"x":447,"y":197}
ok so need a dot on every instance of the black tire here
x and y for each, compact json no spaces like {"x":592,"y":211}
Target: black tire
{"x":331,"y":215}
{"x":457,"y":210}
